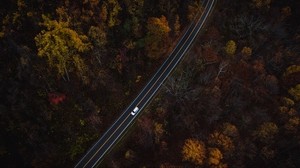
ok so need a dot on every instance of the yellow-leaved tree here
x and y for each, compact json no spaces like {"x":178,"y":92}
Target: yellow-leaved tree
{"x":292,"y":69}
{"x":113,"y":8}
{"x":230,"y":48}
{"x":194,"y":151}
{"x":157,"y":36}
{"x":295,"y":92}
{"x":62,"y":46}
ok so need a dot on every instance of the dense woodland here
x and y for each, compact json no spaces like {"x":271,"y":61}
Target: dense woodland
{"x":69,"y":68}
{"x":233,"y":101}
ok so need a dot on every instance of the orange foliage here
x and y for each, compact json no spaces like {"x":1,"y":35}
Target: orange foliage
{"x":215,"y":156}
{"x":194,"y":151}
{"x":220,"y":140}
{"x":157,"y":36}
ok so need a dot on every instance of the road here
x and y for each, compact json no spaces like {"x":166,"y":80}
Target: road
{"x":117,"y":130}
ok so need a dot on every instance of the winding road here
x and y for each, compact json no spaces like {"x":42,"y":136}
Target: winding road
{"x":96,"y":153}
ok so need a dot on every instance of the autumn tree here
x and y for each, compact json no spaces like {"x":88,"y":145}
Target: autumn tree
{"x":62,"y":46}
{"x":292,"y":125}
{"x":98,"y":36}
{"x":246,"y":52}
{"x":292,"y":69}
{"x":110,"y":11}
{"x":230,"y":130}
{"x":157,"y":36}
{"x":214,"y":157}
{"x":230,"y":48}
{"x":295,"y":92}
{"x":266,"y":132}
{"x":222,"y":141}
{"x":103,"y":13}
{"x":194,"y":151}
{"x":287,"y":102}
{"x":135,"y":7}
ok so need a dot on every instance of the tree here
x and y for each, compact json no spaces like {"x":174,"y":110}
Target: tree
{"x":230,"y":48}
{"x":230,"y":130}
{"x":295,"y":92}
{"x":157,"y":36}
{"x":98,"y":36}
{"x":292,"y":124}
{"x":247,"y":52}
{"x":113,"y":11}
{"x":62,"y":46}
{"x":220,"y":140}
{"x":104,"y":12}
{"x":135,"y":7}
{"x":292,"y":69}
{"x":214,"y":156}
{"x":194,"y":151}
{"x":288,"y":102}
{"x":266,"y":132}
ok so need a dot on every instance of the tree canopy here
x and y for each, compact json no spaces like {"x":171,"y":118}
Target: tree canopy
{"x":62,"y":46}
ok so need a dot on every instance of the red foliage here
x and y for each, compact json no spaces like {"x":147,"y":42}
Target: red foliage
{"x":56,"y":98}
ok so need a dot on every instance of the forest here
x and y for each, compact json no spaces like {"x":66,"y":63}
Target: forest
{"x":68,"y":69}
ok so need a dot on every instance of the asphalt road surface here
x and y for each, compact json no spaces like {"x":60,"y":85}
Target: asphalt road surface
{"x":95,"y":154}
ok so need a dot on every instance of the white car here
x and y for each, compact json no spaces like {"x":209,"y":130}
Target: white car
{"x":136,"y":109}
